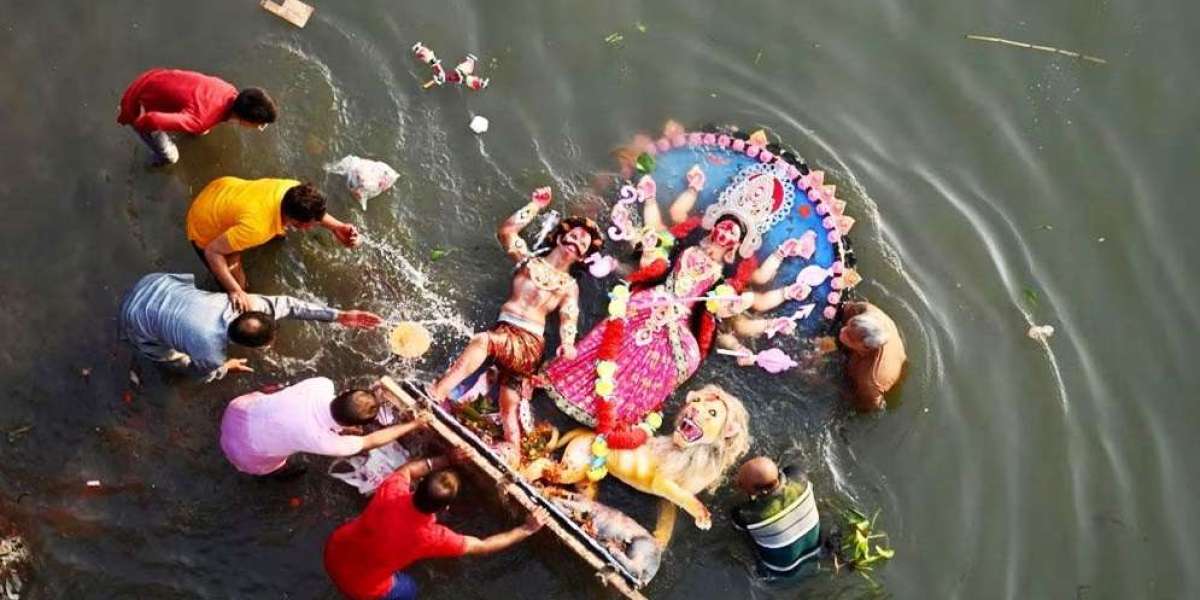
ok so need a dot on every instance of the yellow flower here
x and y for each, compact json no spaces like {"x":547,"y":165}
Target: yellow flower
{"x":604,"y":388}
{"x":616,"y":309}
{"x":654,"y":420}
{"x":605,"y":369}
{"x":599,"y":448}
{"x":621,"y":292}
{"x":595,"y":475}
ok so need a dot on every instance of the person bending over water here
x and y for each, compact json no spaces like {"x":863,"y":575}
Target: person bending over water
{"x":231,"y":215}
{"x":366,"y":557}
{"x":780,"y":516}
{"x":876,"y":352}
{"x":167,"y":319}
{"x":260,"y":431}
{"x":160,"y":101}
{"x":539,"y":286}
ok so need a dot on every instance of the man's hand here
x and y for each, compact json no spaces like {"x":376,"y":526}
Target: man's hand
{"x":567,"y":352}
{"x":347,"y":234}
{"x":541,"y":197}
{"x":460,"y":455}
{"x":237,"y":364}
{"x":359,"y":318}
{"x":240,"y":300}
{"x":535,"y":521}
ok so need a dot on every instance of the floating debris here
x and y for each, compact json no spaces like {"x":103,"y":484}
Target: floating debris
{"x":134,"y":379}
{"x":614,"y":39}
{"x":1027,"y":46}
{"x":479,"y":124}
{"x":292,"y":11}
{"x":93,"y":483}
{"x":1040,"y":332}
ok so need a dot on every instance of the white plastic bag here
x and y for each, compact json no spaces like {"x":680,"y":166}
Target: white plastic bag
{"x":366,"y":178}
{"x":367,"y":471}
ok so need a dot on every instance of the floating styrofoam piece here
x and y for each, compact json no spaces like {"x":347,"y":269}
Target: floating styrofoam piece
{"x":479,"y":124}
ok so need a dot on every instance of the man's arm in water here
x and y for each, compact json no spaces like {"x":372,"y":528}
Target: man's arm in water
{"x":215,"y":254}
{"x":509,"y":232}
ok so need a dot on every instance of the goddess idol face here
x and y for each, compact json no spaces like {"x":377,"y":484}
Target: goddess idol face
{"x":727,"y":234}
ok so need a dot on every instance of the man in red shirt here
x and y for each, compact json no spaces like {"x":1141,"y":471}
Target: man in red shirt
{"x":366,"y":557}
{"x":165,"y":100}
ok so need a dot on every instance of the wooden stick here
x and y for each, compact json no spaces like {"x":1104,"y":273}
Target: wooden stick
{"x":561,"y":526}
{"x":1050,"y":49}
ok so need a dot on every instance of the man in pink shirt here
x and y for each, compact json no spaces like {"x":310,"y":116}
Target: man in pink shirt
{"x":260,"y":431}
{"x":170,"y":100}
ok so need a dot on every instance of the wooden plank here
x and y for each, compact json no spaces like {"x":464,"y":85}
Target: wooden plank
{"x":292,"y":11}
{"x":608,"y":571}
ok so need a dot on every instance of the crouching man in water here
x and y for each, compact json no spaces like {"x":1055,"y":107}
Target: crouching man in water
{"x":168,"y":320}
{"x":366,"y":557}
{"x":539,"y":287}
{"x":260,"y":431}
{"x":163,"y":101}
{"x":780,"y":516}
{"x":876,"y":352}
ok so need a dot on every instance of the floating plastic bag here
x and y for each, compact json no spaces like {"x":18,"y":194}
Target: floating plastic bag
{"x":367,"y":471}
{"x":366,"y":178}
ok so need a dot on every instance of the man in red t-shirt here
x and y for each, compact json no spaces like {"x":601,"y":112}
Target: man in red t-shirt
{"x":165,"y":100}
{"x":365,"y":557}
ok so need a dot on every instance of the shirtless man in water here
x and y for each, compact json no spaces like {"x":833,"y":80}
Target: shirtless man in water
{"x":540,"y":286}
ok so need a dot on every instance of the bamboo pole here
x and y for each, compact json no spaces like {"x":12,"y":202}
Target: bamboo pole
{"x":1028,"y":46}
{"x":562,"y":527}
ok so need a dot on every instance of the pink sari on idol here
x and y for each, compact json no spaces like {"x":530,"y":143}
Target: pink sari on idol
{"x":657,"y":353}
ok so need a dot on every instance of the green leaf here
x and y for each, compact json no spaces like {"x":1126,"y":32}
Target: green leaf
{"x":1031,"y":297}
{"x":640,"y":27}
{"x":645,"y":163}
{"x":439,"y":253}
{"x":885,"y":552}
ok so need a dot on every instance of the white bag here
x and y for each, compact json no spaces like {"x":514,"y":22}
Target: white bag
{"x":366,"y":178}
{"x":367,"y":471}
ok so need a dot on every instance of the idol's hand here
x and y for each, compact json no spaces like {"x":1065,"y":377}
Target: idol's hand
{"x":704,"y":521}
{"x":797,"y":291}
{"x":648,"y":188}
{"x":567,"y":352}
{"x":541,"y":197}
{"x":789,"y":248}
{"x":745,"y":361}
{"x":696,"y":178}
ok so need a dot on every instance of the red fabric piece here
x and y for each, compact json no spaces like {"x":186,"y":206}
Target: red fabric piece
{"x":389,"y":536}
{"x":174,"y":100}
{"x":614,"y":331}
{"x":681,"y":230}
{"x":745,"y":270}
{"x":706,"y":332}
{"x":651,"y":272}
{"x":627,"y":439}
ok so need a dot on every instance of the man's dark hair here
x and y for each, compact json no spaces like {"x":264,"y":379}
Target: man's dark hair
{"x":354,"y":407}
{"x":253,"y":329}
{"x":436,"y":491}
{"x":253,"y":105}
{"x":304,"y":203}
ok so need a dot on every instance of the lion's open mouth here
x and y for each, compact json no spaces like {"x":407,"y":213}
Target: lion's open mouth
{"x":690,"y":431}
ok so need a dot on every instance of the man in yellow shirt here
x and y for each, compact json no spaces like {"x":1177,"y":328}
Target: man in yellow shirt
{"x":231,"y":215}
